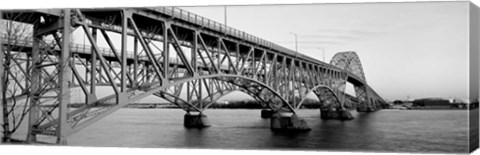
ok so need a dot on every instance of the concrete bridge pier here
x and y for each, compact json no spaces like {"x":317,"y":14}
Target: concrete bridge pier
{"x":196,"y":120}
{"x":267,"y":113}
{"x":288,"y":122}
{"x":328,"y":113}
{"x":344,"y":114}
{"x":332,"y":113}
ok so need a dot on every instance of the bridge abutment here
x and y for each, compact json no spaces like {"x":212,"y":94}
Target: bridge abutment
{"x":196,"y":121}
{"x":283,"y":122}
{"x":266,"y":113}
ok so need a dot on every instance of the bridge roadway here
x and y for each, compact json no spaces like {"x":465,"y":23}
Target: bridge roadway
{"x":211,"y":60}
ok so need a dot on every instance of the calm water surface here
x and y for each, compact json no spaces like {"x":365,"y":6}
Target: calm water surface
{"x":385,"y":130}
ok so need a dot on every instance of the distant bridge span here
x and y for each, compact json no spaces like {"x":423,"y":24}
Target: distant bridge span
{"x":165,"y":52}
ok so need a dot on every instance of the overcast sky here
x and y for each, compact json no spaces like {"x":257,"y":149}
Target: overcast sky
{"x":407,"y":49}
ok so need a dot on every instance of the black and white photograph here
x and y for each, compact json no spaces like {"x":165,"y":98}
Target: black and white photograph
{"x":359,"y":77}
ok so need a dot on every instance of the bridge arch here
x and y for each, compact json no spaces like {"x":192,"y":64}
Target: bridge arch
{"x":89,"y":113}
{"x":210,"y":99}
{"x":349,"y":61}
{"x":327,"y":97}
{"x":230,"y":91}
{"x":271,"y":97}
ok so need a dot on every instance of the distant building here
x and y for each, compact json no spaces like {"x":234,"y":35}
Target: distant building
{"x":397,"y":102}
{"x":460,"y":103}
{"x":432,"y":103}
{"x":459,"y":100}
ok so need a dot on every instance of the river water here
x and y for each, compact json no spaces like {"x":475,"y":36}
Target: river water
{"x":385,"y":130}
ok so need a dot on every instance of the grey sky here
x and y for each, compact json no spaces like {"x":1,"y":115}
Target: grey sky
{"x":407,"y":49}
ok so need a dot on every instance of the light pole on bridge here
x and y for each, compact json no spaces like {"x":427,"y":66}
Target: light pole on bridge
{"x":323,"y":52}
{"x":296,"y":42}
{"x":225,"y":14}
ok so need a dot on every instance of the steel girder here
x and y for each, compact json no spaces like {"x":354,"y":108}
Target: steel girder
{"x":350,"y":62}
{"x":327,"y":97}
{"x":173,"y":53}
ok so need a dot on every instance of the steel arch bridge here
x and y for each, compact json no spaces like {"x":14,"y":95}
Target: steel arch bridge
{"x":165,"y":52}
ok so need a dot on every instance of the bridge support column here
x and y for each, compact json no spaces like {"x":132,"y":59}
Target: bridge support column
{"x":344,"y":114}
{"x":283,"y":122}
{"x":196,"y":120}
{"x":329,"y":113}
{"x":341,"y":114}
{"x":372,"y":106}
{"x":267,"y":113}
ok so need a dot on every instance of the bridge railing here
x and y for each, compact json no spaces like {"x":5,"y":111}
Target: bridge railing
{"x":74,"y":47}
{"x":222,"y":28}
{"x":84,"y":49}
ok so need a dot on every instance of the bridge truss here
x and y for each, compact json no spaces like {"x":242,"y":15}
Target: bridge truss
{"x":164,"y":52}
